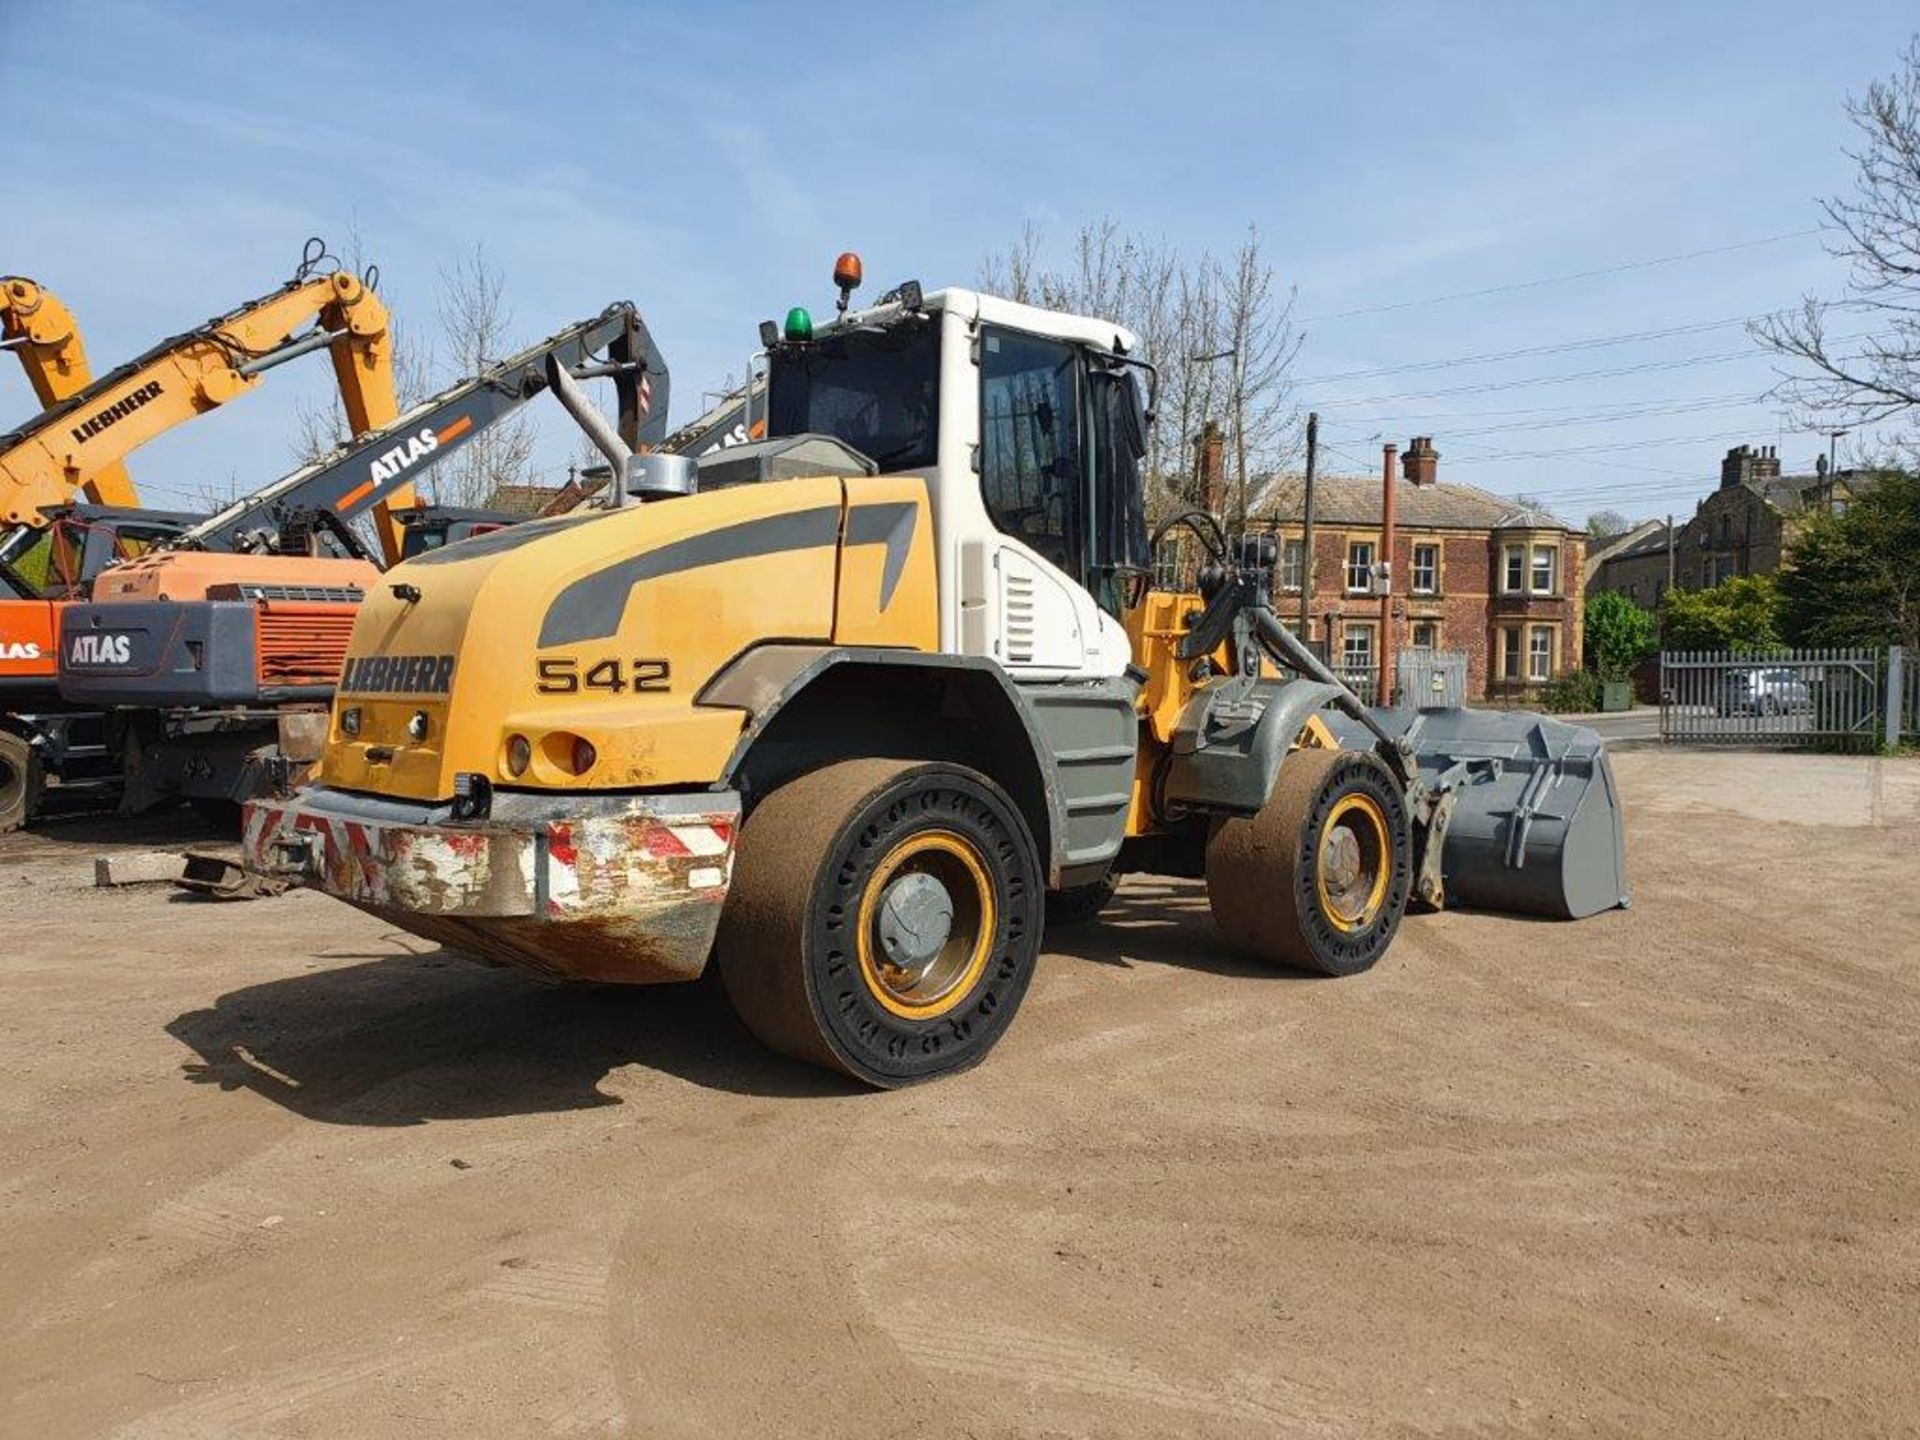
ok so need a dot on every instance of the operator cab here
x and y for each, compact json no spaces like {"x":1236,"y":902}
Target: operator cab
{"x":61,"y":560}
{"x":1029,"y":427}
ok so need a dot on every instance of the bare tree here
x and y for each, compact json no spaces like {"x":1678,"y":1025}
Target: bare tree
{"x":475,"y":322}
{"x":319,"y":426}
{"x":1264,"y":342}
{"x":1220,"y":337}
{"x":1876,"y":230}
{"x":1013,"y":273}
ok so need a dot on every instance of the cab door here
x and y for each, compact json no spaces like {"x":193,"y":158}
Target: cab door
{"x":1036,"y":484}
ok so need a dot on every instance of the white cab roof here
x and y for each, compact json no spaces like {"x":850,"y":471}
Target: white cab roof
{"x":1101,"y":334}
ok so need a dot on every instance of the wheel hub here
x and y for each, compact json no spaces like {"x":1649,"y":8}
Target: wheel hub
{"x":1353,"y":862}
{"x":926,"y":924}
{"x":1340,"y":860}
{"x":915,"y":922}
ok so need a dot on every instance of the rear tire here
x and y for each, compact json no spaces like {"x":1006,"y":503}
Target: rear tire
{"x":1319,"y":878}
{"x":884,"y":919}
{"x":22,"y":778}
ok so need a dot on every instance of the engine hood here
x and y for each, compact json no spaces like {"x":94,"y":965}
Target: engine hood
{"x":602,"y":627}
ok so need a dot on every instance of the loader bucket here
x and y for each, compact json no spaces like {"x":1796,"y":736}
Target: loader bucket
{"x":1536,"y":827}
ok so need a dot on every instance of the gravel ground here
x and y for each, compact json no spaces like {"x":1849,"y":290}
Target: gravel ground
{"x":270,"y":1170}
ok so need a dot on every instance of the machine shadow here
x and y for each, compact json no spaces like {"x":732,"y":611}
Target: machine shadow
{"x":402,"y":1040}
{"x":1158,"y":921}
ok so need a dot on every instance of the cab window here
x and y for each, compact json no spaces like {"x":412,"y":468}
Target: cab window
{"x":1032,"y":470}
{"x":131,"y":544}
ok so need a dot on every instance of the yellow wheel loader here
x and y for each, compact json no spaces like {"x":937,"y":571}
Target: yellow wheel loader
{"x":842,"y":708}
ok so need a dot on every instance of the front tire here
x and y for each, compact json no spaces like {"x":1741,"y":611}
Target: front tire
{"x":884,"y":919}
{"x":1319,"y":878}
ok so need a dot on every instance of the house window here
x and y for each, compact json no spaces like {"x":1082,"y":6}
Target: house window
{"x":1545,"y":569}
{"x":1426,"y":569}
{"x":1356,"y":651}
{"x":1724,"y":569}
{"x":1360,"y":567}
{"x":1510,"y":653}
{"x":1514,"y":578}
{"x":1426,"y":635}
{"x":1540,"y":653}
{"x":1293,"y":564}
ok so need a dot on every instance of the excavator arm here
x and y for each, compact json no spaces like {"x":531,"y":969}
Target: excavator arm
{"x":376,"y":470}
{"x":99,"y":424}
{"x":38,"y":327}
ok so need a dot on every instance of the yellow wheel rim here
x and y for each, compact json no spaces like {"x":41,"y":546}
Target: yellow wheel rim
{"x":1355,"y":859}
{"x":927,"y":974}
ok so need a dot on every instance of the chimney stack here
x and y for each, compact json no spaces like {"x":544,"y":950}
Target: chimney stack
{"x":1749,"y":462}
{"x":1210,"y":462}
{"x":1421,"y":463}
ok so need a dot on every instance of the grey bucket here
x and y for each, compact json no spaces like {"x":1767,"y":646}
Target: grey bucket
{"x":1537,"y":826}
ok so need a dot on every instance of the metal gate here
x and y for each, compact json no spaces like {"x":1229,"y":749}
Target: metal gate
{"x":1903,"y":695}
{"x":1432,"y":679}
{"x":1824,"y":699}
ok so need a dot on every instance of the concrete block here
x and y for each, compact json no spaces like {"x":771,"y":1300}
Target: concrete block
{"x":138,"y":867}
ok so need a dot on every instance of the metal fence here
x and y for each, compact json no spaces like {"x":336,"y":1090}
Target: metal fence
{"x":1827,"y":699}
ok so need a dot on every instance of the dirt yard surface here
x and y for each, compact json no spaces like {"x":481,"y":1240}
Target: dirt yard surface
{"x":270,"y":1170}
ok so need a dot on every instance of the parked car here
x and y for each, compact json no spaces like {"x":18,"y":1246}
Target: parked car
{"x":1764,"y":692}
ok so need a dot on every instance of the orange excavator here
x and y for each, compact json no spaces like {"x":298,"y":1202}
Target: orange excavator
{"x":52,"y":548}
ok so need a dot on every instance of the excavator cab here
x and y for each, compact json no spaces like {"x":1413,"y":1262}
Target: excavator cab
{"x":60,"y":560}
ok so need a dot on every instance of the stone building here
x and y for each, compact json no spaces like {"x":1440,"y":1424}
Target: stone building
{"x":1746,"y":526}
{"x":1472,"y":571}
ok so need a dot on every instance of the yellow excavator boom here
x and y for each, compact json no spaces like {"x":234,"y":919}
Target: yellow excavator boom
{"x":39,"y":328}
{"x":97,"y":425}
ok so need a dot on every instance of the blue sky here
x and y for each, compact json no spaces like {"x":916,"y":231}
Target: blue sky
{"x":709,"y":161}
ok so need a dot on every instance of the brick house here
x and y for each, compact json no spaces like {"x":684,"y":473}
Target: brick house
{"x":1472,"y":571}
{"x":1744,"y":527}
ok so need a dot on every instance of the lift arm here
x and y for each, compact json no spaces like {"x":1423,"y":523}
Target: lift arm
{"x":38,"y":327}
{"x":98,"y":425}
{"x":379,"y":468}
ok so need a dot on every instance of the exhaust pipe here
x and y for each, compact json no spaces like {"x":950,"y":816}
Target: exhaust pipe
{"x":649,"y":477}
{"x":589,"y":419}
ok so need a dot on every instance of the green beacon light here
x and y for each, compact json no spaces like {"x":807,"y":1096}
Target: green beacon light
{"x":799,"y":325}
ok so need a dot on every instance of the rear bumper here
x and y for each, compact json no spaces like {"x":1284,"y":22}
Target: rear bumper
{"x":623,"y":888}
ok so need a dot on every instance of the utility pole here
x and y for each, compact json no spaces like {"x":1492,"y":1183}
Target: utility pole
{"x":1306,"y":531}
{"x":1670,"y":557}
{"x":1388,"y":454}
